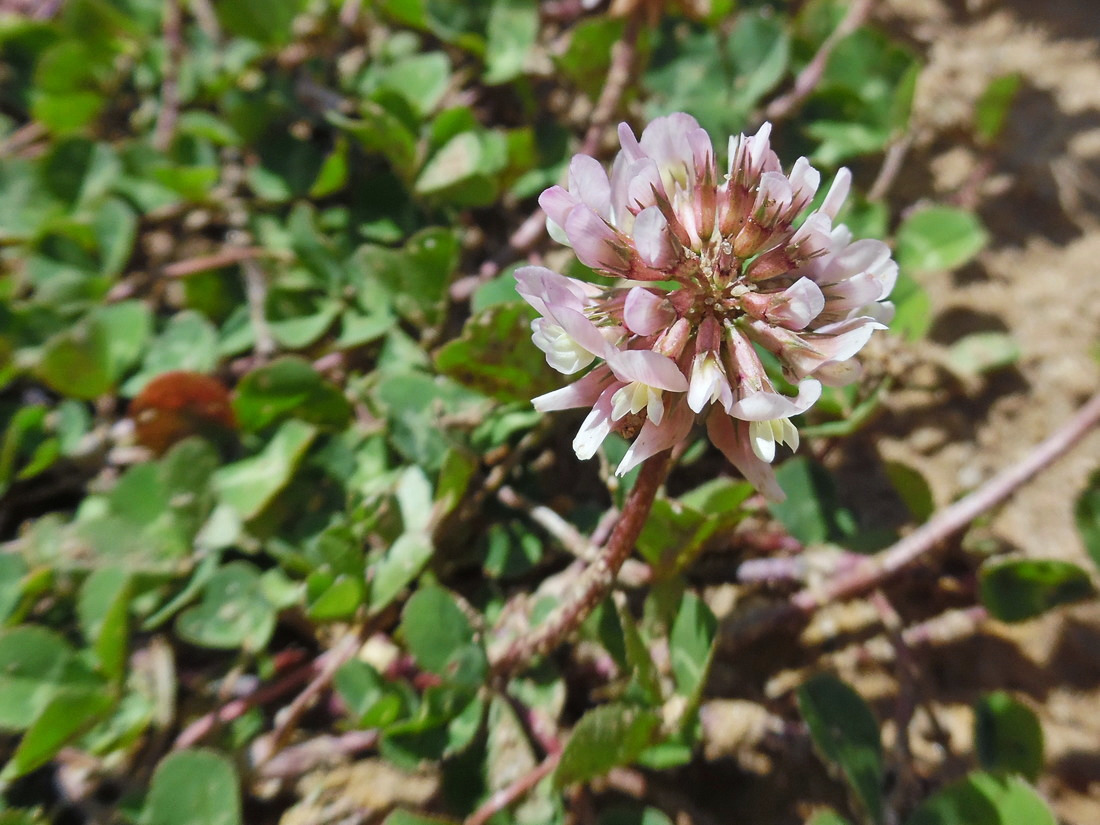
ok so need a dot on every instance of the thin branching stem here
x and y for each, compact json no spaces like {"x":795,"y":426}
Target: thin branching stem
{"x":811,"y":75}
{"x":874,"y":570}
{"x":595,"y":581}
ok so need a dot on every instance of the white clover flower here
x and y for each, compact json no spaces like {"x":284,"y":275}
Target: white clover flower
{"x":743,"y":275}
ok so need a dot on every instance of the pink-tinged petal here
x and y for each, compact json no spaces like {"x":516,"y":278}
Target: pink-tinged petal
{"x":838,"y":373}
{"x":865,"y":255}
{"x":583,"y":331}
{"x":631,"y":149}
{"x":843,"y":327}
{"x":622,"y":211}
{"x":760,"y":146}
{"x":797,"y":305}
{"x":802,"y":353}
{"x":541,"y":287}
{"x":732,"y":438}
{"x":582,"y":393}
{"x":765,"y":406}
{"x":813,"y":237}
{"x":773,"y":196}
{"x":887,"y":278}
{"x":702,"y":153}
{"x":557,"y":203}
{"x":646,"y":313}
{"x":648,"y":368}
{"x":643,"y":185}
{"x":838,"y":192}
{"x":588,"y":183}
{"x":836,"y":346}
{"x":597,"y":245}
{"x":749,"y":372}
{"x":656,"y":438}
{"x":804,"y":182}
{"x":852,"y":293}
{"x":665,"y":140}
{"x":882,"y":312}
{"x":656,"y":245}
{"x":596,"y":426}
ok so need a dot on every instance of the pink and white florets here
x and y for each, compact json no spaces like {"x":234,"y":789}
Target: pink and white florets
{"x":713,"y":267}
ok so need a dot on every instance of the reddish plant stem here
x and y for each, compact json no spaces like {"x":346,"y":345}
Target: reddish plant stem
{"x":539,"y":730}
{"x":216,"y":260}
{"x":811,"y":75}
{"x":165,"y":127}
{"x":300,"y":759}
{"x":872,"y":571}
{"x":325,"y":669}
{"x":619,"y":75}
{"x":204,"y":725}
{"x":517,"y":790}
{"x":632,"y":574}
{"x":596,"y":580}
{"x":892,"y":164}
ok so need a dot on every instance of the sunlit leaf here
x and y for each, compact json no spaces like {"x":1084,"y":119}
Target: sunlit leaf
{"x":606,"y":736}
{"x":193,"y":787}
{"x":940,"y":237}
{"x":846,"y":734}
{"x":1007,"y":736}
{"x":1014,"y":591}
{"x":983,"y":799}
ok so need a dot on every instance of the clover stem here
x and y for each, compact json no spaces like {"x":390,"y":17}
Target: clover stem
{"x":595,"y":581}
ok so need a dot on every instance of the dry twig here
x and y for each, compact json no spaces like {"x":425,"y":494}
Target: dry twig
{"x":872,"y":571}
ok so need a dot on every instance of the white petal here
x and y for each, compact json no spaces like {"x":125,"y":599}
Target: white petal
{"x":766,"y":406}
{"x":762,"y":440}
{"x":582,"y":393}
{"x":595,"y":428}
{"x":838,"y":192}
{"x":731,"y":437}
{"x":648,"y":368}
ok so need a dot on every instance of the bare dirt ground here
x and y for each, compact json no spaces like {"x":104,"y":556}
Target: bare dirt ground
{"x":1038,"y":191}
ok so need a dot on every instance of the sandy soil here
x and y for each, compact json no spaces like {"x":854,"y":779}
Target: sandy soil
{"x":1038,"y":191}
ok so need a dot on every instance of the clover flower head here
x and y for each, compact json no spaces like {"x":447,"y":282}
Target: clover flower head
{"x":711,"y":267}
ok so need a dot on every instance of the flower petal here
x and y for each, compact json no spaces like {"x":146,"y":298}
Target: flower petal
{"x":646,"y":313}
{"x":583,"y":331}
{"x":596,"y":426}
{"x":708,"y":383}
{"x":557,"y":203}
{"x":655,"y":438}
{"x":766,"y":406}
{"x":597,"y":245}
{"x":656,"y":245}
{"x":797,"y":305}
{"x":837,"y":193}
{"x":582,"y":393}
{"x":731,"y":437}
{"x":542,"y":288}
{"x":649,"y":368}
{"x":588,"y":183}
